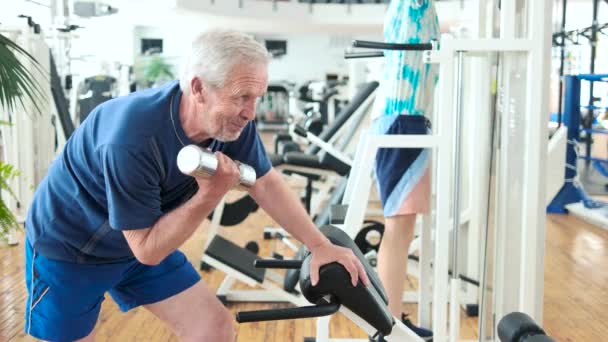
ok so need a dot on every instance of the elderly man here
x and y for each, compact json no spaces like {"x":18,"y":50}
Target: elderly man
{"x":114,"y":208}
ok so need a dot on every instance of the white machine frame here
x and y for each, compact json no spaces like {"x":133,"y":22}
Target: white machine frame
{"x":271,"y":292}
{"x":517,"y":286}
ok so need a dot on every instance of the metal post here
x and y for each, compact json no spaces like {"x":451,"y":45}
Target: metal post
{"x":457,"y":157}
{"x":561,"y":65}
{"x":445,"y":129}
{"x":593,"y":41}
{"x":455,"y":280}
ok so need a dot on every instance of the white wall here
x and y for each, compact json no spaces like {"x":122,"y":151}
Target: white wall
{"x":316,"y":42}
{"x":103,"y":40}
{"x":312,"y":56}
{"x":176,"y":42}
{"x":309,"y":56}
{"x":294,"y":16}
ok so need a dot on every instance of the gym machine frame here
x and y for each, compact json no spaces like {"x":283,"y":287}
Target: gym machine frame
{"x":271,"y":290}
{"x":517,"y":286}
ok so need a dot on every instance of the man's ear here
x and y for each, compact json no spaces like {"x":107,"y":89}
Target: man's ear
{"x":198,"y":90}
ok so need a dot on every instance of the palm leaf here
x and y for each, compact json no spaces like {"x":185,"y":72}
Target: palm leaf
{"x":16,"y":81}
{"x":151,"y":69}
{"x":7,"y":173}
{"x":17,"y":84}
{"x":7,"y":219}
{"x":158,"y":68}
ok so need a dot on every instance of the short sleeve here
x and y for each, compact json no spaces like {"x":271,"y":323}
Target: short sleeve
{"x":249,"y":149}
{"x":132,"y":185}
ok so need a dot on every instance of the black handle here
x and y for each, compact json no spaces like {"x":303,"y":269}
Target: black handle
{"x":289,"y":313}
{"x":273,"y":263}
{"x":370,"y":54}
{"x":299,"y":130}
{"x":392,"y":46}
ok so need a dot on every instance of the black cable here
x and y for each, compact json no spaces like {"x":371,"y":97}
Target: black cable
{"x":493,"y":145}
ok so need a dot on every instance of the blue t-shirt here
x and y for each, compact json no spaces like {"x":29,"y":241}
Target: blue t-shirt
{"x":119,"y":171}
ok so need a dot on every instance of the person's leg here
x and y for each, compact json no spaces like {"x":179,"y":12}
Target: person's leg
{"x":64,"y":299}
{"x":196,"y":315}
{"x":396,"y":241}
{"x":392,"y":258}
{"x":174,"y":292}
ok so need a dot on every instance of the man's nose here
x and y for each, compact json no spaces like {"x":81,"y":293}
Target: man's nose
{"x":249,"y":110}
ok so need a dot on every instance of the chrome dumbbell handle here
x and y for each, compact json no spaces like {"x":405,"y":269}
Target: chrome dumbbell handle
{"x":196,"y":161}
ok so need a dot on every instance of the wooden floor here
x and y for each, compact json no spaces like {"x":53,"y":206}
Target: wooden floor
{"x":576,"y":291}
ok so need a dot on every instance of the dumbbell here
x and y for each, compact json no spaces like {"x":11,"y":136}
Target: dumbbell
{"x":519,"y":327}
{"x":196,"y":161}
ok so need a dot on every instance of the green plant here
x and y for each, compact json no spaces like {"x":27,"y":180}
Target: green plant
{"x":151,"y":70}
{"x":17,"y":83}
{"x":7,"y":219}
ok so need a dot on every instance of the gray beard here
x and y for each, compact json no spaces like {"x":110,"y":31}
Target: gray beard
{"x":226,"y":138}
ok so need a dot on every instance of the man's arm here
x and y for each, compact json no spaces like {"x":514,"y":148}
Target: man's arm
{"x":281,"y":203}
{"x":151,"y":245}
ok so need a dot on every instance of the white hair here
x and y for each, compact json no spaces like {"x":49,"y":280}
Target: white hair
{"x":215,"y":52}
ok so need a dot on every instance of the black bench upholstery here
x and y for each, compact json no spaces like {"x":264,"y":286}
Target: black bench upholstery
{"x":325,"y":162}
{"x":369,"y":303}
{"x":236,"y":257}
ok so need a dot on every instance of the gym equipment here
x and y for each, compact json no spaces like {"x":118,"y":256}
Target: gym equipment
{"x":319,"y":99}
{"x":314,"y":163}
{"x":237,"y":211}
{"x":94,"y":91}
{"x":251,"y":246}
{"x":563,"y":39}
{"x":196,"y":161}
{"x":274,"y":107}
{"x":222,"y":254}
{"x":519,"y":327}
{"x":468,"y":220}
{"x":318,"y":165}
{"x":525,"y":32}
{"x":61,"y":103}
{"x":360,"y":102}
{"x":365,"y":306}
{"x":368,"y":240}
{"x":572,"y":197}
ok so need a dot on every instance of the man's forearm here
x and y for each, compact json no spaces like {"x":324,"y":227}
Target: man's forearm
{"x":281,"y":203}
{"x":175,"y":227}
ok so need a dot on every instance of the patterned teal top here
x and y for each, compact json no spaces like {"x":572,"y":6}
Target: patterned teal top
{"x":407,"y":85}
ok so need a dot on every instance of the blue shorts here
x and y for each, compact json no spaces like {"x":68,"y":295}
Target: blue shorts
{"x":402,"y":173}
{"x":64,"y":299}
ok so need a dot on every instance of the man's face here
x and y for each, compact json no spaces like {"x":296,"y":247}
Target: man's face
{"x":230,"y":108}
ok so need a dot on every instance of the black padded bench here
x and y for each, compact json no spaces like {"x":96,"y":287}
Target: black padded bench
{"x":236,"y":257}
{"x":369,"y":303}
